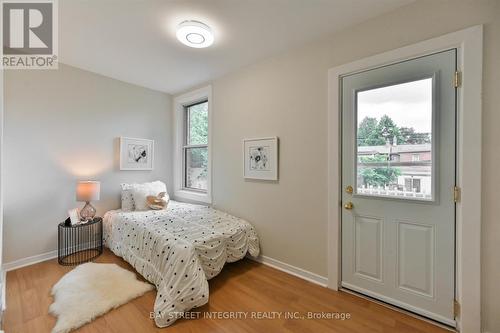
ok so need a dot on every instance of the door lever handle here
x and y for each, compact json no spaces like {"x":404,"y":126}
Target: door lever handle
{"x":349,"y":206}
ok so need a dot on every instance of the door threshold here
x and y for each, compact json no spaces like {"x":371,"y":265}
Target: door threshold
{"x":398,"y":309}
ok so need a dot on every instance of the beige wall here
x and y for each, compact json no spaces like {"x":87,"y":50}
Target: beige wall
{"x":1,"y":174}
{"x":62,"y":126}
{"x":287,"y":96}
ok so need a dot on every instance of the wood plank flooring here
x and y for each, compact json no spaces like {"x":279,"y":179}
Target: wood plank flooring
{"x":244,"y":286}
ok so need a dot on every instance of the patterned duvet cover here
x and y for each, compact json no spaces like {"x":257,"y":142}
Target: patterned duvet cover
{"x":178,"y":250}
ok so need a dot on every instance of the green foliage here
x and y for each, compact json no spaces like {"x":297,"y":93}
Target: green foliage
{"x":388,"y":130}
{"x":379,"y":175}
{"x":198,"y":124}
{"x":368,"y":134}
{"x":409,"y":136}
{"x":376,"y":133}
{"x":198,"y":135}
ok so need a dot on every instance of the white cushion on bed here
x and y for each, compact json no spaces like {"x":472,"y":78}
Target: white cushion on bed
{"x":141,"y":191}
{"x":153,"y":188}
{"x":127,"y":198}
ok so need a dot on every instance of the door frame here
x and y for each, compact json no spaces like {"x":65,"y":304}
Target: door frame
{"x":469,"y":45}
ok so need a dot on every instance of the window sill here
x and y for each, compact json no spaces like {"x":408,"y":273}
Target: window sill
{"x":193,"y":196}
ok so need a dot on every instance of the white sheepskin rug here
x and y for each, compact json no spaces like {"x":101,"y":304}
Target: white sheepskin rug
{"x":91,"y":290}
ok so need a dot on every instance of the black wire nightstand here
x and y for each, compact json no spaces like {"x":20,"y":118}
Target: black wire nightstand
{"x":79,"y":243}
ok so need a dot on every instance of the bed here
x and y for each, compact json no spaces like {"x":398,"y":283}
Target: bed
{"x":178,"y":250}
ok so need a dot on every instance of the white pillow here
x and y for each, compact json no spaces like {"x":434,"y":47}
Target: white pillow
{"x":127,"y":198}
{"x":141,"y":191}
{"x":128,"y":203}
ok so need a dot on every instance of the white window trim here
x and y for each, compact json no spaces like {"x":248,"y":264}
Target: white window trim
{"x":469,"y":43}
{"x":180,"y":103}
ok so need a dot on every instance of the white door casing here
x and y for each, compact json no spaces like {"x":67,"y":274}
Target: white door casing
{"x":398,"y":243}
{"x":468,"y":210}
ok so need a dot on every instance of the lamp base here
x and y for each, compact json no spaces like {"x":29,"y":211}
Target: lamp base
{"x":87,"y":213}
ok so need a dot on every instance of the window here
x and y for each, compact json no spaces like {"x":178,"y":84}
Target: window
{"x":195,"y":150}
{"x":412,"y":185}
{"x":408,"y":186}
{"x":192,"y":158}
{"x":394,"y":123}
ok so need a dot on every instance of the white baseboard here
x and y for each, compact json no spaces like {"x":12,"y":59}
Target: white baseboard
{"x":29,"y":261}
{"x":295,"y":271}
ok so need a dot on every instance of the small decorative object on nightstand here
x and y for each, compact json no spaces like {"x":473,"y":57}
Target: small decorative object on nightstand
{"x":87,"y":191}
{"x":79,"y":243}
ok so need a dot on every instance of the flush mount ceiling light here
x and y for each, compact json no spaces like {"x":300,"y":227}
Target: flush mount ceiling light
{"x":195,"y":34}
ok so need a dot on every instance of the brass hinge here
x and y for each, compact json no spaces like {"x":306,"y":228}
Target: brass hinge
{"x":456,"y":193}
{"x":457,"y":80}
{"x":456,"y":308}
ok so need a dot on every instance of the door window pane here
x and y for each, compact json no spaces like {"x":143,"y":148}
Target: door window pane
{"x":394,"y":141}
{"x":197,"y":124}
{"x":196,"y":168}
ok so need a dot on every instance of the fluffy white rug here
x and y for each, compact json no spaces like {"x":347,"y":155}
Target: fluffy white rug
{"x":91,"y":290}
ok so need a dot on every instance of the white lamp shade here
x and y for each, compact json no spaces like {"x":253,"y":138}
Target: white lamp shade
{"x":88,"y":191}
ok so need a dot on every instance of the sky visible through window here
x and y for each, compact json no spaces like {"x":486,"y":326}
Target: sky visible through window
{"x":408,"y":104}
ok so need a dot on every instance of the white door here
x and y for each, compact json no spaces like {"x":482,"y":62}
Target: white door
{"x":398,"y":178}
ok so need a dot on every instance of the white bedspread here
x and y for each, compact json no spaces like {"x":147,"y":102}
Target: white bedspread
{"x":178,"y":250}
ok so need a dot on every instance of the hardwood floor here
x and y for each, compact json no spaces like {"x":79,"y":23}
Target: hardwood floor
{"x":244,"y":286}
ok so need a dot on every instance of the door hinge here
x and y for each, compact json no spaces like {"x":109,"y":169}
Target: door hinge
{"x":456,"y":193}
{"x":456,"y":308}
{"x":457,"y":79}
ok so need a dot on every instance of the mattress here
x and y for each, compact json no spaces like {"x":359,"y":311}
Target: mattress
{"x":178,"y":250}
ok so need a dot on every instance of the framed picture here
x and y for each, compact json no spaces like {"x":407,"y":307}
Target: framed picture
{"x":136,"y":154}
{"x":260,"y":158}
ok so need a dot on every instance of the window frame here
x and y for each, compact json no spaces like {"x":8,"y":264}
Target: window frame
{"x":181,"y":103}
{"x":186,"y":146}
{"x":433,"y":76}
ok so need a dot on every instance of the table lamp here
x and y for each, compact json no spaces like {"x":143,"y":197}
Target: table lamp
{"x":87,"y":191}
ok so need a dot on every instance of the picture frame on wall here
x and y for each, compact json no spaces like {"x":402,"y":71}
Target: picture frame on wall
{"x":260,"y":158}
{"x":136,"y":154}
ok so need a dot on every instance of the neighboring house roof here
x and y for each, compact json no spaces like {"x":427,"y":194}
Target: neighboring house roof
{"x":419,"y":148}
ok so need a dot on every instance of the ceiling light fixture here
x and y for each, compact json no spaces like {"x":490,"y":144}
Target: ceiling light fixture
{"x":195,"y":34}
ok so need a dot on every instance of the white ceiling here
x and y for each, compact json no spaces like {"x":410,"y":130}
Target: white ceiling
{"x":134,"y":40}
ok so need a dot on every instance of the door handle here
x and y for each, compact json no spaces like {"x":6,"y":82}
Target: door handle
{"x":349,"y":206}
